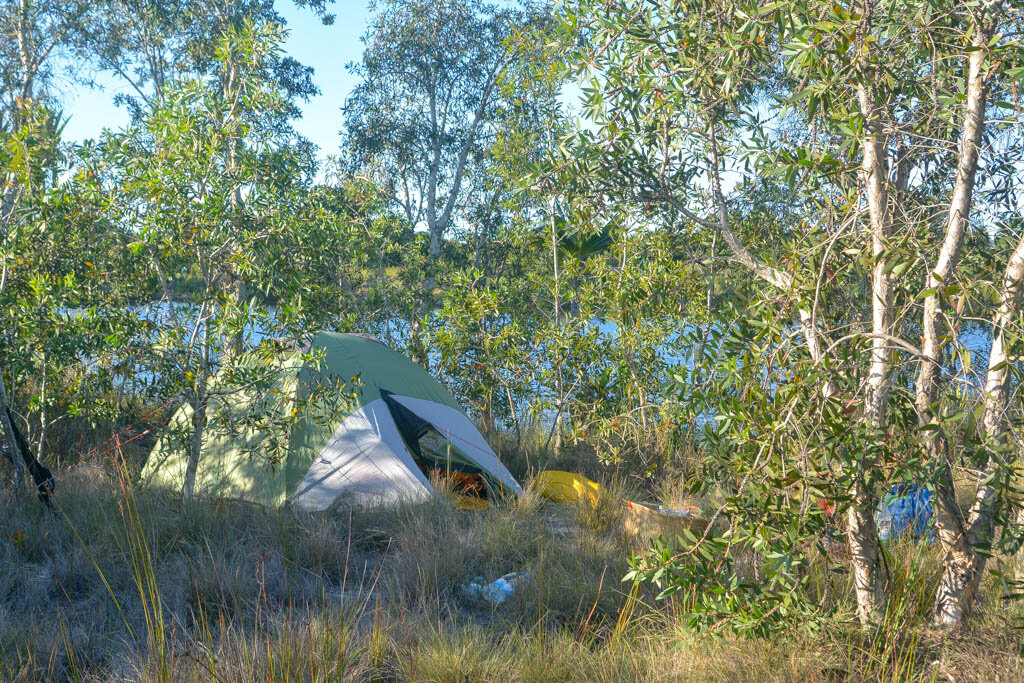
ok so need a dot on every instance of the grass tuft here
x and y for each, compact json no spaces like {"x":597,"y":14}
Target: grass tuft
{"x":128,"y":584}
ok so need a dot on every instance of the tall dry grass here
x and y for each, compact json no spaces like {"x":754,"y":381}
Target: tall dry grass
{"x":123,"y":583}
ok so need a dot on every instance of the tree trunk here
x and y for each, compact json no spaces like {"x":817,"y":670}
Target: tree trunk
{"x":869,"y":572}
{"x":949,"y":522}
{"x":556,"y":428}
{"x":434,"y":249}
{"x":24,"y":38}
{"x":198,"y":413}
{"x":434,"y":228}
{"x":235,"y":342}
{"x":198,"y":428}
{"x":1018,"y":557}
{"x":870,"y":575}
{"x":417,"y":349}
{"x":963,"y":574}
{"x":515,"y":417}
{"x":42,"y":414}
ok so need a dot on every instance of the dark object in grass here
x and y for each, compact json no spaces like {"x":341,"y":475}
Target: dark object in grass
{"x":45,"y":484}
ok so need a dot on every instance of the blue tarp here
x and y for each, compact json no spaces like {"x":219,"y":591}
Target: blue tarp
{"x":906,"y":508}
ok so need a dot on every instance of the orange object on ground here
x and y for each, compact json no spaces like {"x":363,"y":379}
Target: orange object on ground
{"x":470,"y":502}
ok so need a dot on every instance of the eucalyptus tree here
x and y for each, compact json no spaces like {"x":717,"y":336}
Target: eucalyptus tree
{"x":422,"y":117}
{"x":151,"y":45}
{"x":37,"y":37}
{"x":27,"y":154}
{"x":176,"y":173}
{"x":63,"y":271}
{"x":887,"y":125}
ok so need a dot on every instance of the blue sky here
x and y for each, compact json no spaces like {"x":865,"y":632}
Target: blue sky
{"x":325,"y":48}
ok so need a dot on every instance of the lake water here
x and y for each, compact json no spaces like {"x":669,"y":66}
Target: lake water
{"x":975,"y":343}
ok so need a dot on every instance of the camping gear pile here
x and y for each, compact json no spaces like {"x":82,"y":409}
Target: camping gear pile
{"x":648,"y":522}
{"x":403,"y":428}
{"x":643,"y":520}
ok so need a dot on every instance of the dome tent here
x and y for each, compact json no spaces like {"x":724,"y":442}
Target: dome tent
{"x":402,"y":422}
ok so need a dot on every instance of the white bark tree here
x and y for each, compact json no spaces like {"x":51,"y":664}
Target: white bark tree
{"x":423,"y":115}
{"x":873,"y":123}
